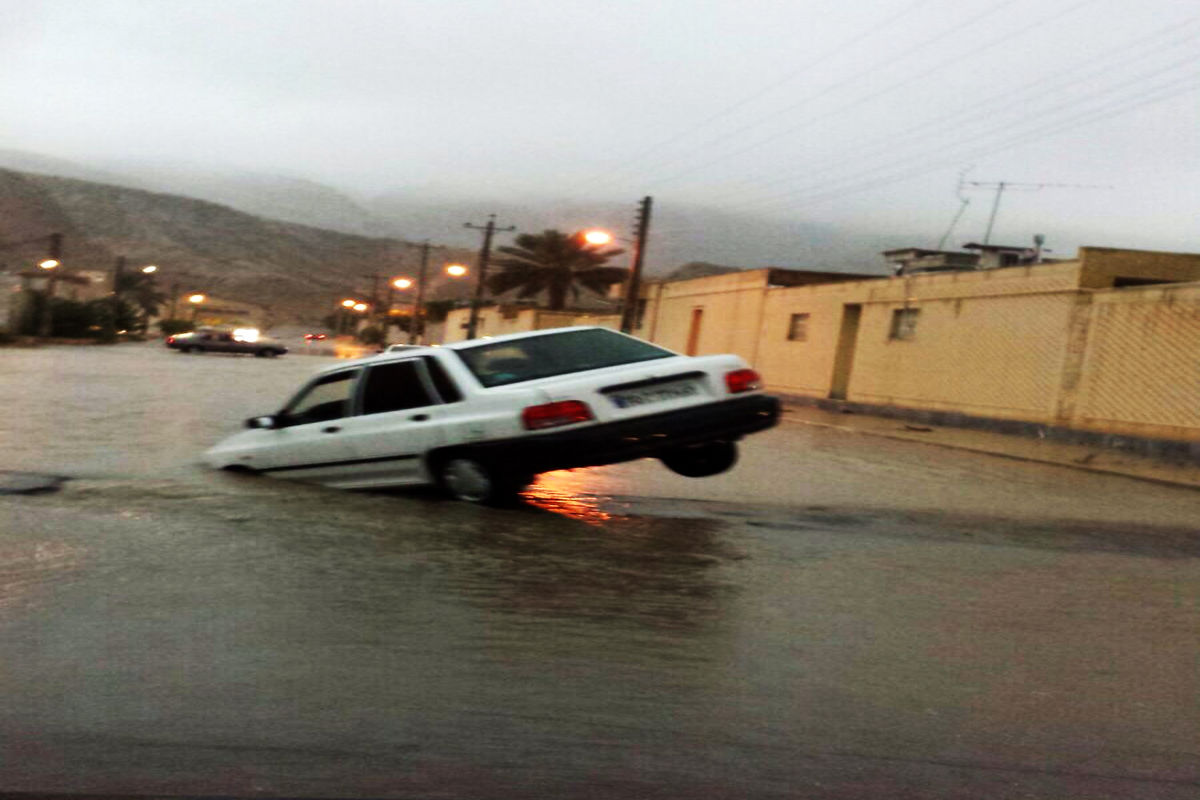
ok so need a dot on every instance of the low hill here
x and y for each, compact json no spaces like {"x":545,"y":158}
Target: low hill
{"x":296,"y":271}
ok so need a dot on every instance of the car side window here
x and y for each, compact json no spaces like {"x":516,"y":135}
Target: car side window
{"x":328,"y":398}
{"x":394,"y":387}
{"x":442,"y":382}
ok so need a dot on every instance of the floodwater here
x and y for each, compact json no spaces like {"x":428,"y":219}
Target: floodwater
{"x":839,"y":617}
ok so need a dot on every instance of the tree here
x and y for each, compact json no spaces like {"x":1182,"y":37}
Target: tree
{"x":140,"y":289}
{"x":555,"y":263}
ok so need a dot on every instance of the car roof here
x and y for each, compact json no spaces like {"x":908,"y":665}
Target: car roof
{"x":409,"y":352}
{"x":508,"y":337}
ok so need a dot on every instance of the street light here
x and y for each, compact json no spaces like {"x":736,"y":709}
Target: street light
{"x":149,"y":269}
{"x":597,"y":237}
{"x":196,"y":300}
{"x":49,"y":263}
{"x":456,"y":270}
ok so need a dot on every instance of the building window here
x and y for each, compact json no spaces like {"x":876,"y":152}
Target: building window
{"x":798,"y":328}
{"x":904,"y":323}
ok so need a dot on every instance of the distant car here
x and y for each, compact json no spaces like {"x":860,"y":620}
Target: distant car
{"x":481,"y":418}
{"x":238,"y":340}
{"x":315,"y":337}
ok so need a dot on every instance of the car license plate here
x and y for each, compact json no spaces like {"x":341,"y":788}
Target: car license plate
{"x":659,"y":393}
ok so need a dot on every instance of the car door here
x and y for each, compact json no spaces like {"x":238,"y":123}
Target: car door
{"x":401,"y":411}
{"x":308,"y":441}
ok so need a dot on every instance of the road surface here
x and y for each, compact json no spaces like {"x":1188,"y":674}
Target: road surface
{"x":839,"y":617}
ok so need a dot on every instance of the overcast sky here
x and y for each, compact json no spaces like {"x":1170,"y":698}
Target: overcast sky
{"x":858,"y":112}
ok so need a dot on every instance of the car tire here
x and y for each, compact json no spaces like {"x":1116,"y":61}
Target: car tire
{"x":267,"y":353}
{"x":702,"y":460}
{"x":472,"y":480}
{"x":192,"y":350}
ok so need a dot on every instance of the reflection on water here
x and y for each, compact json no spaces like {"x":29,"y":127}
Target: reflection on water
{"x":557,"y":492}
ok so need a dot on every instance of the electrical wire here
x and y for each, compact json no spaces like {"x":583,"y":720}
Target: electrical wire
{"x":988,"y":110}
{"x":630,"y":162}
{"x":1157,"y":94}
{"x":814,"y":120}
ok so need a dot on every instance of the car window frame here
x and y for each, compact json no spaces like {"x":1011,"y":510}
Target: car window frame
{"x":422,"y":374}
{"x":282,"y":416}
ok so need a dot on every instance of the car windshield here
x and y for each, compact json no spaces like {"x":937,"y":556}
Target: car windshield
{"x":501,"y":363}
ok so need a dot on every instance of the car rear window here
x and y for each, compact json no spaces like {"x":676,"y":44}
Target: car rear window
{"x":501,"y":363}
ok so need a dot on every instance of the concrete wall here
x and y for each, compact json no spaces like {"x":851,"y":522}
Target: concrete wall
{"x":500,"y":320}
{"x":730,"y":313}
{"x":1102,"y":265}
{"x":1139,"y":373}
{"x":1050,"y":344}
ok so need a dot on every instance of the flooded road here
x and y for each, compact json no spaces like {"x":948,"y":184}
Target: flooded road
{"x":839,"y":617}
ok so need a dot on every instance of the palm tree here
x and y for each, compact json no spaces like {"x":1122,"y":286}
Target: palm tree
{"x":143,"y":291}
{"x":555,"y":263}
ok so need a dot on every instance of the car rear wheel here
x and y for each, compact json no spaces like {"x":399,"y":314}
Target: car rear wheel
{"x":475,"y":481}
{"x":266,"y":353}
{"x":702,"y":460}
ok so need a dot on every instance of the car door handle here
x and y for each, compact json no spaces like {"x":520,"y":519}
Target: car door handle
{"x":331,"y":429}
{"x":419,"y":417}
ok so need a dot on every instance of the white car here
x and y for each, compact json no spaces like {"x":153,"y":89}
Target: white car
{"x":482,"y":417}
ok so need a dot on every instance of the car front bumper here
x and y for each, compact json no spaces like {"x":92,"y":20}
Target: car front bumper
{"x":647,"y":436}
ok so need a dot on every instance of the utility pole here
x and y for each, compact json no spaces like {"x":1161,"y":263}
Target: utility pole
{"x":485,"y":254}
{"x":1001,"y":186}
{"x":633,"y":287}
{"x":375,"y":300}
{"x":118,"y":271}
{"x":54,"y":254}
{"x":416,"y":323}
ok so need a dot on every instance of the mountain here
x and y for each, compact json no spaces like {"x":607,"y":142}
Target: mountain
{"x":25,"y":161}
{"x":272,"y":196}
{"x":678,"y":233}
{"x":298,"y":272}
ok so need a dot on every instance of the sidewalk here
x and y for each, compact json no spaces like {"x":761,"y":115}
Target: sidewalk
{"x":1083,"y":457}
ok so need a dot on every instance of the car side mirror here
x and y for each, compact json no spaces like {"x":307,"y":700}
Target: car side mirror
{"x":267,"y":422}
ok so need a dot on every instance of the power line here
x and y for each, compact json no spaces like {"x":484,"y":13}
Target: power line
{"x":811,"y":121}
{"x":1156,"y":95}
{"x":989,"y":112}
{"x":1007,"y":127}
{"x":627,"y":163}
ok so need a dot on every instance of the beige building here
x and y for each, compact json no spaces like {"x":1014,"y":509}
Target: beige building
{"x":496,"y":320}
{"x":1108,"y":342}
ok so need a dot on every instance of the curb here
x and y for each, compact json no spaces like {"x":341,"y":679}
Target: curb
{"x":1179,"y":484}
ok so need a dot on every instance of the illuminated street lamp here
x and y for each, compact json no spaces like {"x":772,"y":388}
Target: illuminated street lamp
{"x":196,"y":300}
{"x":597,"y":238}
{"x":359,"y":307}
{"x":49,"y":263}
{"x":456,"y":270}
{"x":149,"y":269}
{"x":403,"y":283}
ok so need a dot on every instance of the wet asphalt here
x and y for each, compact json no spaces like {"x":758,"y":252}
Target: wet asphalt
{"x":838,"y":617}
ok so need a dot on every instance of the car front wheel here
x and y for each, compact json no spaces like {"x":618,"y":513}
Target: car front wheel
{"x":467,"y":478}
{"x":702,"y":460}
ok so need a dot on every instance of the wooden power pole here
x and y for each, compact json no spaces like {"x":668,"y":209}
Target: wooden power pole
{"x":629,"y":306}
{"x":485,"y":254}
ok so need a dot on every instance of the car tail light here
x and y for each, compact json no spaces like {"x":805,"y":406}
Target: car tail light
{"x":742,"y":380}
{"x":552,"y":415}
{"x":170,"y":340}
